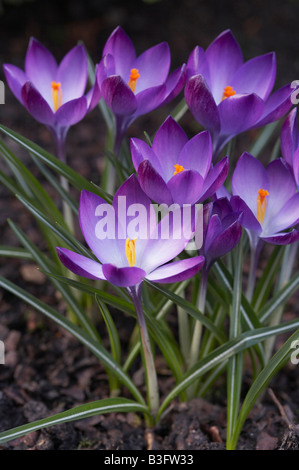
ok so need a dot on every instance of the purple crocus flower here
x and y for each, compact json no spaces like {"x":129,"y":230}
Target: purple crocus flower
{"x":53,"y":94}
{"x":124,"y":258}
{"x":268,"y":198}
{"x":222,"y":230}
{"x":289,"y":140}
{"x":132,"y":86}
{"x":175,"y":169}
{"x":227,"y":95}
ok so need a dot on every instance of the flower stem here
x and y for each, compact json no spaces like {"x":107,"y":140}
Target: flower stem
{"x":254,"y":259}
{"x":66,"y":209}
{"x":196,"y":338}
{"x":150,"y":369}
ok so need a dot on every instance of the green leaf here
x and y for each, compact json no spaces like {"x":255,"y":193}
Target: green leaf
{"x":279,"y":298}
{"x":223,"y":353}
{"x":188,"y":307}
{"x":14,"y":252}
{"x":94,"y":346}
{"x":109,"y":405}
{"x":58,"y":166}
{"x":261,"y":382}
{"x":112,"y":330}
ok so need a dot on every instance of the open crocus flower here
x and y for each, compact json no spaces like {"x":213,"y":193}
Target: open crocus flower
{"x":222,"y":230}
{"x":289,"y":140}
{"x":268,"y":198}
{"x":53,"y":94}
{"x":227,"y":95}
{"x":132,"y":86}
{"x":175,"y":169}
{"x":126,"y":257}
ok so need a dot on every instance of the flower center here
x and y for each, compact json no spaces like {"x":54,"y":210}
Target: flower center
{"x":261,"y":203}
{"x":178,"y":169}
{"x":131,"y":251}
{"x":56,"y":95}
{"x":134,"y":75}
{"x":228,"y":91}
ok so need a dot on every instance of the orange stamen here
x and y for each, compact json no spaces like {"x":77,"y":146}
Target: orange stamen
{"x":56,"y":95}
{"x":178,"y":169}
{"x":131,"y":251}
{"x":134,"y":75}
{"x":261,"y":204}
{"x":228,"y":91}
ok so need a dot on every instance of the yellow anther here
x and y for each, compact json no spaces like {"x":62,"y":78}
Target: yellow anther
{"x":228,"y":91}
{"x":131,"y":251}
{"x":261,"y":204}
{"x":56,"y":95}
{"x":134,"y":75}
{"x":178,"y":169}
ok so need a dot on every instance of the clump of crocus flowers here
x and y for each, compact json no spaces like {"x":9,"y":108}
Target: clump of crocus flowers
{"x":186,"y":212}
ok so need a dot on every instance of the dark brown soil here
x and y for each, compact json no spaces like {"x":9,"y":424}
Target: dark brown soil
{"x":48,"y":371}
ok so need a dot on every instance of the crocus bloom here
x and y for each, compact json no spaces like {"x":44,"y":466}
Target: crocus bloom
{"x":175,"y":169}
{"x":132,"y":86}
{"x":125,"y":259}
{"x":227,"y":95}
{"x":53,"y":94}
{"x":289,"y":140}
{"x":268,"y":198}
{"x":222,"y":230}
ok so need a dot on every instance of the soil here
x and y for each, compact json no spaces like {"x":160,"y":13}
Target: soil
{"x":47,"y":370}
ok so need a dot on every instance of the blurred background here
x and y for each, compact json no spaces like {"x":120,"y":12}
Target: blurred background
{"x":259,"y":26}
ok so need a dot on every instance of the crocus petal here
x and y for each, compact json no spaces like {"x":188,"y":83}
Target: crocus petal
{"x":281,"y":188}
{"x":141,"y":151}
{"x":105,"y":68}
{"x":177,"y":271}
{"x":202,"y":104}
{"x":153,"y":66}
{"x":285,"y":218}
{"x":174,"y":84}
{"x":249,"y":176}
{"x":16,"y":78}
{"x":239,"y":113}
{"x":296,"y":166}
{"x":153,"y":184}
{"x":168,"y":143}
{"x":283,"y":238}
{"x":149,"y":99}
{"x":123,"y":277}
{"x":288,"y":137}
{"x":36,"y":104}
{"x":198,"y":64}
{"x":118,"y":96}
{"x":106,"y":249}
{"x":197,"y":153}
{"x":120,"y":46}
{"x":71,"y":112}
{"x":215,"y":179}
{"x":80,"y":265}
{"x":256,"y":76}
{"x":225,"y":241}
{"x":72,"y":73}
{"x":40,"y":68}
{"x":249,"y":220}
{"x":185,"y":187}
{"x":276,"y":106}
{"x":172,"y":235}
{"x":93,"y":96}
{"x":224,"y":57}
{"x":136,"y":216}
